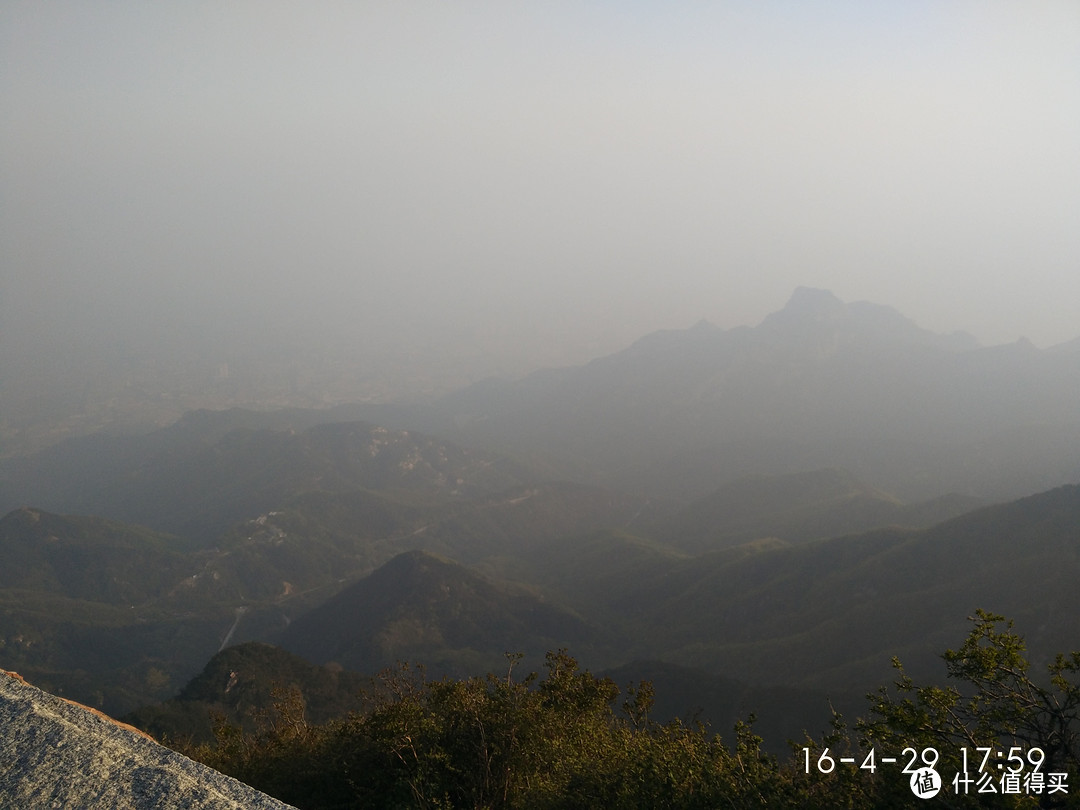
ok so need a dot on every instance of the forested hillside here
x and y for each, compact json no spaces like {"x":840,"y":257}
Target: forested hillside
{"x":572,"y":739}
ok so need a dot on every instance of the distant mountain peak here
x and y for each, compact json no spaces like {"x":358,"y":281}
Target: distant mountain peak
{"x":812,"y":296}
{"x":815,"y":302}
{"x":415,"y":563}
{"x":807,"y":308}
{"x":421,"y":606}
{"x":816,"y":315}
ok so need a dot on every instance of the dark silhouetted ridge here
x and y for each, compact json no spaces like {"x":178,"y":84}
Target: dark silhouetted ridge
{"x":422,"y":607}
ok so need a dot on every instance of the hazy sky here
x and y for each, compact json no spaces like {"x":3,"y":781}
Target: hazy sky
{"x":547,"y":179}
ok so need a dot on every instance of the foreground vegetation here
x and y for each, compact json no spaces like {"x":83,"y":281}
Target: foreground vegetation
{"x":566,"y":740}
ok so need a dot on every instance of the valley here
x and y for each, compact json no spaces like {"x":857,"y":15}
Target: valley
{"x":678,"y":512}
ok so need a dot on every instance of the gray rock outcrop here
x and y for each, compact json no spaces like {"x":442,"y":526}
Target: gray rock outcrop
{"x":56,"y":754}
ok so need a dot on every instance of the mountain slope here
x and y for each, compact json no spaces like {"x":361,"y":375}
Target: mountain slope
{"x":200,"y":476}
{"x":87,"y":558}
{"x":796,"y":508}
{"x":830,"y":614}
{"x":115,"y":614}
{"x":243,"y":681}
{"x":424,"y":608}
{"x":818,"y":384}
{"x":693,"y":695}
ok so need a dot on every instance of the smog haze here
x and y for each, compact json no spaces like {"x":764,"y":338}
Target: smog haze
{"x":497,"y":188}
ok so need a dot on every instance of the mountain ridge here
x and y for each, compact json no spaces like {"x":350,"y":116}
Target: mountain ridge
{"x":422,"y":601}
{"x":798,"y":507}
{"x":817,"y":384}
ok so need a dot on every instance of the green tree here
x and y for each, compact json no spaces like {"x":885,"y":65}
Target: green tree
{"x":997,"y":704}
{"x":558,"y":742}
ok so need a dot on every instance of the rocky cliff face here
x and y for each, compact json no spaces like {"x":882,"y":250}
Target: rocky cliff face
{"x":56,"y":754}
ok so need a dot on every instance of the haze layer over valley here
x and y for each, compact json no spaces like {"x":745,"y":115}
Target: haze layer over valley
{"x":303,"y":207}
{"x":732,"y":347}
{"x":718,"y":500}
